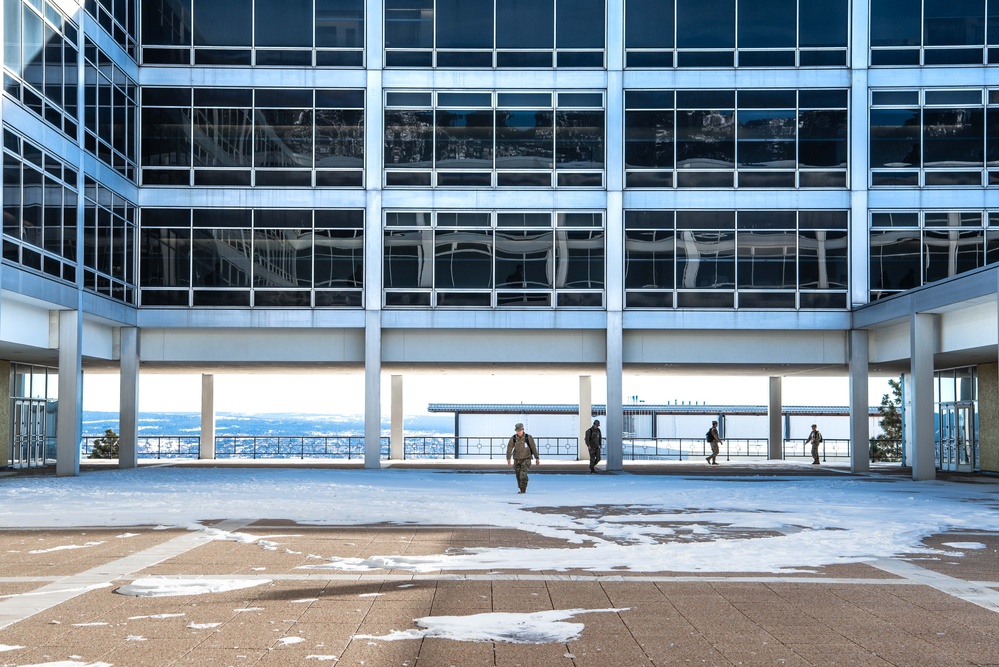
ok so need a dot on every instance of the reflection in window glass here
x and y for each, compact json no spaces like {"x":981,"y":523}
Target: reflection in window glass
{"x":895,"y":135}
{"x":463,"y":259}
{"x":224,"y":138}
{"x":282,"y":258}
{"x":282,"y":23}
{"x":823,"y":258}
{"x":464,"y":24}
{"x":953,"y":137}
{"x":221,"y":258}
{"x":895,"y":264}
{"x":408,"y":255}
{"x":409,"y":139}
{"x":464,"y":139}
{"x":409,"y":24}
{"x":705,"y":139}
{"x":525,"y":24}
{"x":223,"y":22}
{"x":524,"y":259}
{"x":705,"y":259}
{"x":580,"y":24}
{"x":283,"y":138}
{"x":705,"y":24}
{"x":767,"y":25}
{"x":950,"y":252}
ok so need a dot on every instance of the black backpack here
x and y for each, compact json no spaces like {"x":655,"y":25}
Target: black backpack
{"x":707,"y":436}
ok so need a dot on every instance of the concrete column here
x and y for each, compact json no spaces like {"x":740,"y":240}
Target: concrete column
{"x":585,"y":414}
{"x":988,"y":417}
{"x":922,"y":345}
{"x":207,"y":417}
{"x":372,"y":389}
{"x":128,"y":436}
{"x":69,"y":421}
{"x":397,"y":449}
{"x":860,"y":422}
{"x":776,"y":427}
{"x":5,"y":416}
{"x":615,"y":393}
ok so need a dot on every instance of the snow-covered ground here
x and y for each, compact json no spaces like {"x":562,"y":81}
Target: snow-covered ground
{"x":637,"y":523}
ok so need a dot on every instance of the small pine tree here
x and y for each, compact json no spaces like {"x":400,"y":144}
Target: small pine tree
{"x":106,"y":446}
{"x":887,"y":446}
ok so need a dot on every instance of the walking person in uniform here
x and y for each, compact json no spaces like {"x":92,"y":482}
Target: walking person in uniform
{"x":522,"y":448}
{"x":715,"y":441}
{"x":594,"y":440}
{"x":816,"y":439}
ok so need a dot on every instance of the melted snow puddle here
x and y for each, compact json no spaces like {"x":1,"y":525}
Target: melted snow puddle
{"x":543,"y":627}
{"x":158,"y":587}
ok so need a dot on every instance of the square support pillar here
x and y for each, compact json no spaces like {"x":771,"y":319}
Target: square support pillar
{"x":128,"y":365}
{"x":397,"y":449}
{"x":776,"y":427}
{"x":372,"y":390}
{"x":860,"y":421}
{"x":207,"y":417}
{"x":615,"y":392}
{"x":922,"y":440}
{"x":585,"y":414}
{"x":69,"y":421}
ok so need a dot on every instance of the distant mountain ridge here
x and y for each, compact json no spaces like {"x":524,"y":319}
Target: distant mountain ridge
{"x":272,"y":424}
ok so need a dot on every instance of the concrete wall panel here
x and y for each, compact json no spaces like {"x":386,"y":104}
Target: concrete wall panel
{"x":507,"y":346}
{"x":209,"y":346}
{"x":889,"y":344}
{"x":968,"y":328}
{"x":24,"y":324}
{"x":735,"y":347}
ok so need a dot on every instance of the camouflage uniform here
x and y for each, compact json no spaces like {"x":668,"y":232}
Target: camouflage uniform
{"x":816,"y":439}
{"x":522,"y":449}
{"x":594,"y":440}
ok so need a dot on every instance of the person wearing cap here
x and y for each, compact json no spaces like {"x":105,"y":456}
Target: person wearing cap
{"x":816,"y":439}
{"x":594,"y":440}
{"x":521,"y":448}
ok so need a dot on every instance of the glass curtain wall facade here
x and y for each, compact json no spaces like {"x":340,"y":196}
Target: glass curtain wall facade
{"x":716,"y":145}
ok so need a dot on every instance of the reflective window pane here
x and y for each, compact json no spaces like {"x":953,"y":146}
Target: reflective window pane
{"x":283,"y":138}
{"x":221,"y":258}
{"x":339,"y":258}
{"x":823,"y":259}
{"x":223,"y":22}
{"x":408,"y":256}
{"x":525,"y":24}
{"x":283,"y":23}
{"x":464,"y":139}
{"x":648,"y":259}
{"x":464,"y":24}
{"x":705,"y":259}
{"x":953,"y":137}
{"x":463,"y":259}
{"x":953,"y":22}
{"x":705,"y":24}
{"x":822,"y":138}
{"x":409,"y":139}
{"x":579,"y":139}
{"x":895,"y":260}
{"x":649,"y":137}
{"x":895,"y":137}
{"x":767,"y":260}
{"x":895,"y":22}
{"x":648,"y":24}
{"x":524,"y":259}
{"x":823,"y":23}
{"x":766,"y":139}
{"x":949,"y":252}
{"x":282,"y":258}
{"x":225,"y":138}
{"x":580,"y":24}
{"x":705,"y":139}
{"x":409,"y":24}
{"x":525,"y":139}
{"x":767,"y":25}
{"x":339,"y":138}
{"x":340,"y":23}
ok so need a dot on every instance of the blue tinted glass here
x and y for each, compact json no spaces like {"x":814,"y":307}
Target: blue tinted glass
{"x":464,"y":24}
{"x":525,"y":100}
{"x":895,"y":22}
{"x":580,"y":24}
{"x":950,"y":22}
{"x":409,"y":24}
{"x":705,"y":24}
{"x":766,"y":24}
{"x":283,"y":23}
{"x":464,"y":99}
{"x":222,"y":22}
{"x":648,"y":24}
{"x":525,"y":24}
{"x":823,"y":23}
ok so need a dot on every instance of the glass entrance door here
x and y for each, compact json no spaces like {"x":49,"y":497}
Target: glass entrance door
{"x":958,"y":446}
{"x":28,"y":441}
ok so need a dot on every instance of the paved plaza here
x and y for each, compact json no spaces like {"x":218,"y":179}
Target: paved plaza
{"x":61,"y":600}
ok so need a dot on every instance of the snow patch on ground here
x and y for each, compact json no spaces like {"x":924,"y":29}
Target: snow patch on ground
{"x":965,"y":545}
{"x":543,"y":627}
{"x":149,"y":587}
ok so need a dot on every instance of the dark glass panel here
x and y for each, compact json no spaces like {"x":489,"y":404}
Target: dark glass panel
{"x":227,"y":298}
{"x":579,"y":139}
{"x":523,"y":219}
{"x":766,"y":139}
{"x":223,"y":22}
{"x":953,"y":22}
{"x":648,"y":259}
{"x":408,"y":257}
{"x":339,"y":179}
{"x":524,"y":99}
{"x":895,"y":22}
{"x":464,"y":100}
{"x":414,"y":179}
{"x":767,"y":25}
{"x":166,"y":217}
{"x":950,"y":252}
{"x":649,"y":99}
{"x":337,"y":99}
{"x":766,"y":58}
{"x":463,"y":259}
{"x":223,"y":97}
{"x":464,"y":299}
{"x":464,"y":179}
{"x":895,"y":219}
{"x":524,"y":299}
{"x":579,"y":180}
{"x":705,"y":259}
{"x":824,"y":300}
{"x":953,"y":137}
{"x":12,"y":34}
{"x":166,"y":97}
{"x":579,"y":259}
{"x":705,"y":219}
{"x":992,"y":136}
{"x":649,"y":220}
{"x":697,"y":59}
{"x":464,"y":59}
{"x":339,"y":218}
{"x":464,"y":139}
{"x":705,"y":24}
{"x":283,"y":138}
{"x":223,"y":138}
{"x":579,"y":59}
{"x":524,"y":59}
{"x":953,"y":219}
{"x":284,"y":98}
{"x":766,"y":300}
{"x":339,"y":258}
{"x":704,"y":179}
{"x":409,"y":139}
{"x":649,"y":179}
{"x":227,"y":217}
{"x":283,"y":179}
{"x":409,"y":58}
{"x":166,"y":177}
{"x":900,"y":178}
{"x":580,"y":100}
{"x":895,"y":135}
{"x":895,"y":260}
{"x":705,"y":139}
{"x":221,"y":258}
{"x":767,"y":99}
{"x":649,"y":300}
{"x":343,"y":298}
{"x":525,"y":139}
{"x":282,"y":258}
{"x":522,"y":258}
{"x":283,"y":23}
{"x":164,"y":297}
{"x":524,"y":179}
{"x":277,"y":299}
{"x":822,"y":58}
{"x":992,"y":28}
{"x":32,"y":44}
{"x":408,"y":99}
{"x":165,"y":257}
{"x":525,"y":24}
{"x":228,"y":57}
{"x":649,"y":59}
{"x":953,"y":56}
{"x":951,"y":177}
{"x":822,"y":219}
{"x":705,"y":99}
{"x":648,"y":24}
{"x":766,"y":260}
{"x":339,"y":138}
{"x":339,"y":59}
{"x":221,"y":177}
{"x":464,"y":24}
{"x":822,"y":99}
{"x":715,"y":300}
{"x":895,"y":57}
{"x":283,"y":58}
{"x":421,"y":299}
{"x":649,"y":137}
{"x":340,"y":23}
{"x":822,"y":138}
{"x":409,"y":24}
{"x":757,"y":220}
{"x":823,"y":23}
{"x":580,"y":300}
{"x":579,"y":24}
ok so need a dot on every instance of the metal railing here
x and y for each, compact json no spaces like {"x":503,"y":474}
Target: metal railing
{"x":351,"y":447}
